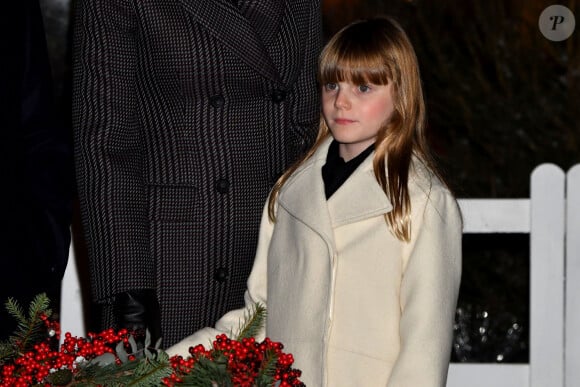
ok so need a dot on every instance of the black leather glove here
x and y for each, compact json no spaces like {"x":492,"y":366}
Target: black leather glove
{"x":138,"y":311}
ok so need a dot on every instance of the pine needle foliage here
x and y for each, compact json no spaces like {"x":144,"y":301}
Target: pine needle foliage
{"x":214,"y":372}
{"x":153,"y":368}
{"x":253,"y":322}
{"x":133,"y":366}
{"x":30,"y":329}
{"x":209,"y":373}
{"x":146,"y":372}
{"x":266,"y":376}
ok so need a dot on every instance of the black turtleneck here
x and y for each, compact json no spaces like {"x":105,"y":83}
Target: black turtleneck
{"x":336,"y":170}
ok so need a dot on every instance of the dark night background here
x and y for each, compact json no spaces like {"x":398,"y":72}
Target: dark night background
{"x":502,"y":99}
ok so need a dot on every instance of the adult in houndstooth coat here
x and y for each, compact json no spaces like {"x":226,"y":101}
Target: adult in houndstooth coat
{"x":185,"y":113}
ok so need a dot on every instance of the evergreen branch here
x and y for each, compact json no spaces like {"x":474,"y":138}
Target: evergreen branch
{"x":29,"y":331}
{"x":268,"y":370}
{"x":15,"y":310}
{"x":145,"y":372}
{"x":96,"y":374}
{"x":253,"y":323}
{"x":40,"y":304}
{"x":6,"y":352}
{"x":208,"y":373}
{"x":9,"y":349}
{"x":147,"y":367}
{"x":150,"y":371}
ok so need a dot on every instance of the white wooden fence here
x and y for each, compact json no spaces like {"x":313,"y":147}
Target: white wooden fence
{"x":552,"y":218}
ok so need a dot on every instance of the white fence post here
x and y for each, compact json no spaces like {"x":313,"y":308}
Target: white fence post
{"x":572,"y":338}
{"x":547,"y":277}
{"x":542,"y":216}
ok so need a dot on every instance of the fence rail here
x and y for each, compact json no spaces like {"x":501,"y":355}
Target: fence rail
{"x":552,"y":218}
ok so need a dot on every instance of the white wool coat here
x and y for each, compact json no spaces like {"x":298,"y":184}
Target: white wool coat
{"x":352,"y":303}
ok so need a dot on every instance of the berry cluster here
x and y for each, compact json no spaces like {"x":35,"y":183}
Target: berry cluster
{"x":243,"y":362}
{"x":247,"y":360}
{"x":42,"y":364}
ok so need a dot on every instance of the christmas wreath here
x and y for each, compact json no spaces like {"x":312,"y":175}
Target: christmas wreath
{"x":32,"y":357}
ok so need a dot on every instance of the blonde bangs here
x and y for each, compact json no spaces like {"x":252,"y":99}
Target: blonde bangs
{"x":355,"y":63}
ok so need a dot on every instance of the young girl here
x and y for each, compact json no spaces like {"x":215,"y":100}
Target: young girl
{"x":359,"y":256}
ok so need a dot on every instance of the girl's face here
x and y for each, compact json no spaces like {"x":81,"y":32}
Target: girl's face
{"x":355,"y":113}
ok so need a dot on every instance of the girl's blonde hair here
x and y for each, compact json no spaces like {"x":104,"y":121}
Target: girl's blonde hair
{"x":378,"y":51}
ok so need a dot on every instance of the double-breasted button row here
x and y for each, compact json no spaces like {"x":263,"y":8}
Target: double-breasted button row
{"x":217,"y":101}
{"x":221,"y":274}
{"x":278,"y":96}
{"x":222,"y":186}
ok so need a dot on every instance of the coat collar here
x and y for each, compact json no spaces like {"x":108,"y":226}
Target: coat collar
{"x":225,"y":22}
{"x":360,"y":197}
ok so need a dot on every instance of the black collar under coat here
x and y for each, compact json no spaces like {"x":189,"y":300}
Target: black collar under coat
{"x":336,"y":171}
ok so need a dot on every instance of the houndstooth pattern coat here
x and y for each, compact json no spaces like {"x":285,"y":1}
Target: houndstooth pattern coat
{"x":185,"y":112}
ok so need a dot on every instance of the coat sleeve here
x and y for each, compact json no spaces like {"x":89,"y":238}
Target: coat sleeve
{"x":108,"y":147}
{"x":257,"y":288}
{"x":428,"y":294}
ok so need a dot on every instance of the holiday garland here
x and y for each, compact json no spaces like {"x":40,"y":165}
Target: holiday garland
{"x":32,"y":357}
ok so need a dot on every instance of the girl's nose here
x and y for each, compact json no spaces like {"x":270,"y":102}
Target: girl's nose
{"x":341,"y":101}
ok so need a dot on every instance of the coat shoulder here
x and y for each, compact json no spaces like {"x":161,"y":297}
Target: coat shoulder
{"x":429,"y":193}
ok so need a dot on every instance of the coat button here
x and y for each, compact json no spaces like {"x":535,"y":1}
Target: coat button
{"x":278,"y":96}
{"x":221,"y":274}
{"x":217,"y":101}
{"x":222,"y":186}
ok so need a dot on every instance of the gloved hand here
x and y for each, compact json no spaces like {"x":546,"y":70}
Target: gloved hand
{"x":138,"y":311}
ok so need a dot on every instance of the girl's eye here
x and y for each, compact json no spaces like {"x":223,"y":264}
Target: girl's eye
{"x":331,"y":86}
{"x":364,"y":88}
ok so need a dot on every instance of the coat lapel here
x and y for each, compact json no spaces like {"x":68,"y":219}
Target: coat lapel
{"x":264,"y":15}
{"x":303,"y":195}
{"x":360,"y":197}
{"x":224,"y":21}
